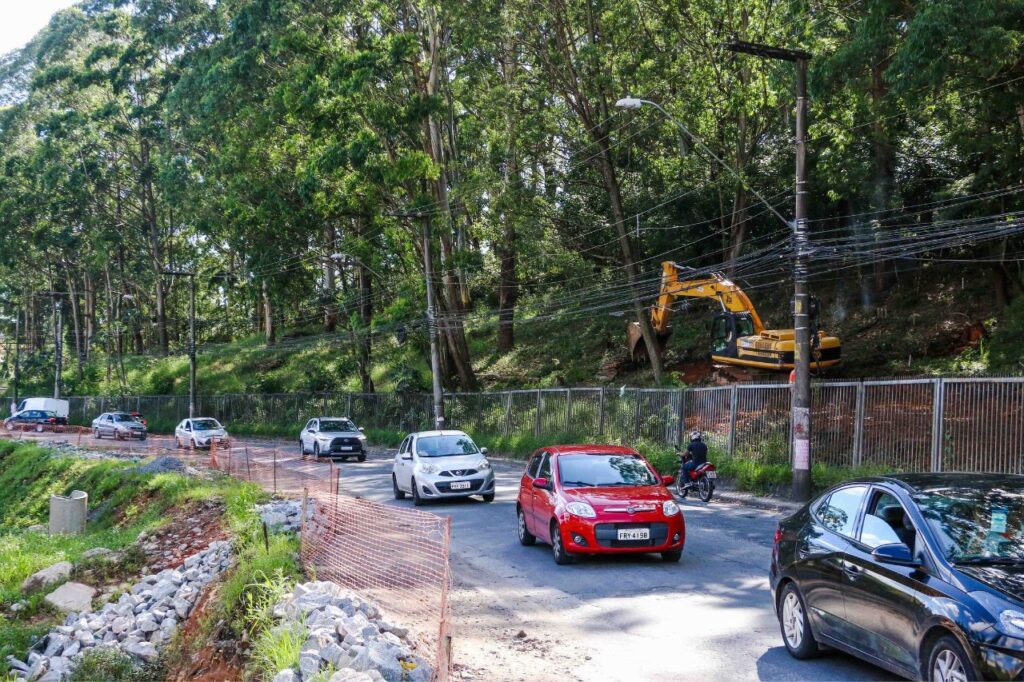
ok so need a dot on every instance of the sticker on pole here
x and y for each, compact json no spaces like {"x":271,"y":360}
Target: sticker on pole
{"x":801,"y":453}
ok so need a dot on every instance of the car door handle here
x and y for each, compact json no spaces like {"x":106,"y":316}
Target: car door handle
{"x":852,"y":571}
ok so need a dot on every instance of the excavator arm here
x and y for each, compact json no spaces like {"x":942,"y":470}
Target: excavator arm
{"x":728,"y":294}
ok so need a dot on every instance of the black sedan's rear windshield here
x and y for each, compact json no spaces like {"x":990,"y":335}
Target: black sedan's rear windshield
{"x":592,"y":471}
{"x":976,"y":525}
{"x":337,"y":425}
{"x":445,"y":446}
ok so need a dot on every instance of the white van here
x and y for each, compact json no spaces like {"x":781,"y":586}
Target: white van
{"x":61,"y":407}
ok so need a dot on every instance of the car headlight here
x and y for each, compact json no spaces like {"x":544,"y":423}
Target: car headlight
{"x":581,"y":509}
{"x":484,"y":465}
{"x":670,"y":508}
{"x":428,"y":468}
{"x":361,"y":437}
{"x":323,"y":437}
{"x":1011,"y":622}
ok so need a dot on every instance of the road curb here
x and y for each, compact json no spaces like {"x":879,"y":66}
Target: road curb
{"x":758,"y":502}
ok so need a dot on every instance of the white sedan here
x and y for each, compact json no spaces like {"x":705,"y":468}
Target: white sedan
{"x":199,"y":432}
{"x":441,"y":464}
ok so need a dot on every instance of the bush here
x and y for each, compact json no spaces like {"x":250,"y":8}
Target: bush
{"x":112,"y":665}
{"x":1008,"y":339}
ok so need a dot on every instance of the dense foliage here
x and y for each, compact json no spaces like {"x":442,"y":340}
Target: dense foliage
{"x":294,"y":153}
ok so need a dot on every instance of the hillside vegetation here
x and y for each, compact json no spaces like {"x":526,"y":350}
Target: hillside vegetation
{"x":298,"y":162}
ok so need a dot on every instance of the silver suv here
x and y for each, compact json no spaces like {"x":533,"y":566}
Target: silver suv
{"x":333,"y":437}
{"x":438,"y":464}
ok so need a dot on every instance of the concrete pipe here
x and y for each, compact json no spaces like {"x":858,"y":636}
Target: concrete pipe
{"x":67,"y":514}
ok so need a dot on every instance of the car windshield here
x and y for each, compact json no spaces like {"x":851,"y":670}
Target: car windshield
{"x":592,"y":471}
{"x":123,"y":418}
{"x":337,"y":425}
{"x":975,"y":524}
{"x":445,"y":446}
{"x":205,"y":424}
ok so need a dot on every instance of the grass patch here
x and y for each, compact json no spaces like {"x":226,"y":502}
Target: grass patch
{"x":113,"y":665}
{"x":123,"y":502}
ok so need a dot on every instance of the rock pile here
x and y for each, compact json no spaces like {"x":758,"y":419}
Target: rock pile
{"x":348,"y":633}
{"x":163,"y":465}
{"x":284,"y":514}
{"x":138,"y":622}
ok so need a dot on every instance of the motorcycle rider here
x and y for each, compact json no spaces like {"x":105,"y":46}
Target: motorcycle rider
{"x":696,"y":454}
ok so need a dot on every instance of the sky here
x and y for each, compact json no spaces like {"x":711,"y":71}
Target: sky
{"x":22,"y":19}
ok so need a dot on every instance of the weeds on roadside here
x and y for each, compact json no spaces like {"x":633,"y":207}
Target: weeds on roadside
{"x":113,"y":665}
{"x":277,"y":648}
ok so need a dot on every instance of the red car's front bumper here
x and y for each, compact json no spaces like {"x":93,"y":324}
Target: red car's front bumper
{"x":600,"y":535}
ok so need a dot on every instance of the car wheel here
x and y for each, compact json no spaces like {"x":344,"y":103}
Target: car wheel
{"x":681,"y":488}
{"x":562,"y":557}
{"x":302,"y":448}
{"x":796,"y":628}
{"x":672,"y":557}
{"x":416,"y":499}
{"x":316,"y":450}
{"x":705,"y":489}
{"x":361,"y":458}
{"x":39,"y":428}
{"x":948,"y":662}
{"x":96,"y":434}
{"x":525,"y":536}
{"x":194,"y":446}
{"x":488,"y":497}
{"x":399,"y":494}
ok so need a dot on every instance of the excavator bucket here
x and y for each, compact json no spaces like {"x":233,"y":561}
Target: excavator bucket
{"x":635,"y":341}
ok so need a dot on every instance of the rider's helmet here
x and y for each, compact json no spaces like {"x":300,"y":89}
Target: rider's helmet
{"x":695,"y":435}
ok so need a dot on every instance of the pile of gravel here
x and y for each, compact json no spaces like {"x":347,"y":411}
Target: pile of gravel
{"x":348,"y":633}
{"x":163,"y":465}
{"x":137,"y":623}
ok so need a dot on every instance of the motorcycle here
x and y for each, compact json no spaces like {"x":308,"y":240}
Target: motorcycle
{"x":701,"y":481}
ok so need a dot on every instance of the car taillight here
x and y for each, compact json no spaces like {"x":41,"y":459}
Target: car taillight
{"x":52,"y":420}
{"x":778,"y":535}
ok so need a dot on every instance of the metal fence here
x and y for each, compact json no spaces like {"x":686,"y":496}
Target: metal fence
{"x":911,"y":425}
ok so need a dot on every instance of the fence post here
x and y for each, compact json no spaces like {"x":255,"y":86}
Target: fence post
{"x":275,"y":470}
{"x":600,"y":413}
{"x":858,"y":427}
{"x":938,"y":388}
{"x":348,"y":406}
{"x":229,"y":461}
{"x":302,"y":521}
{"x":682,"y":417}
{"x":248,"y":471}
{"x":568,"y":411}
{"x":536,"y":420}
{"x":636,"y":414}
{"x":733,"y":402}
{"x":508,"y":414}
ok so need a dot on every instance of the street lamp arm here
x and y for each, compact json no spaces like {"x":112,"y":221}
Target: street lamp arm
{"x":636,"y":103}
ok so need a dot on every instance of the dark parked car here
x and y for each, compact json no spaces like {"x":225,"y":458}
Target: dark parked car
{"x":39,"y":420}
{"x":922,"y":574}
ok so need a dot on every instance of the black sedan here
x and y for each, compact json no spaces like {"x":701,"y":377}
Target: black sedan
{"x":922,"y":574}
{"x":38,"y":420}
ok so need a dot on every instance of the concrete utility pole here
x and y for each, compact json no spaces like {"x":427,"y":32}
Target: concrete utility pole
{"x":191,"y":336}
{"x":435,"y":352}
{"x":17,"y":352}
{"x":801,"y":405}
{"x":58,"y":349}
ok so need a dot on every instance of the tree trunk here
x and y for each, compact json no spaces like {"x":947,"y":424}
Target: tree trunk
{"x":365,"y":317}
{"x":149,"y":215}
{"x":330,"y":283}
{"x":76,"y":323}
{"x":268,"y":316}
{"x":882,"y":163}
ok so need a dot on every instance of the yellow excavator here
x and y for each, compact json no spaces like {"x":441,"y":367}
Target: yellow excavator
{"x":738,"y":336}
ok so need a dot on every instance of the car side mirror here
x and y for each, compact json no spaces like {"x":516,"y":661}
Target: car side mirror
{"x":542,"y":483}
{"x":668,"y":480}
{"x":407,"y":456}
{"x":895,"y":553}
{"x":361,"y":428}
{"x":483,"y":451}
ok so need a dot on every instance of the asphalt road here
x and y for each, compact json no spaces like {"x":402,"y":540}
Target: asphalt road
{"x":620,"y":618}
{"x":519,"y":616}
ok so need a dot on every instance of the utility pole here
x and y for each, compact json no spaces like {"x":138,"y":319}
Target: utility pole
{"x":58,"y":350}
{"x":801,"y":401}
{"x":435,"y":352}
{"x":191,"y":336}
{"x":17,"y":352}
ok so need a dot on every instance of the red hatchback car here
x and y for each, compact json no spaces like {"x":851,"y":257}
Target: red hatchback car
{"x":598,"y":499}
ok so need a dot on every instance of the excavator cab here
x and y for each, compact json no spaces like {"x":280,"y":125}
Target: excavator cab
{"x":726,"y":327}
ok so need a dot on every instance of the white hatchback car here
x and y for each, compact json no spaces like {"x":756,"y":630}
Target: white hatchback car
{"x":200,"y":432}
{"x":438,"y":464}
